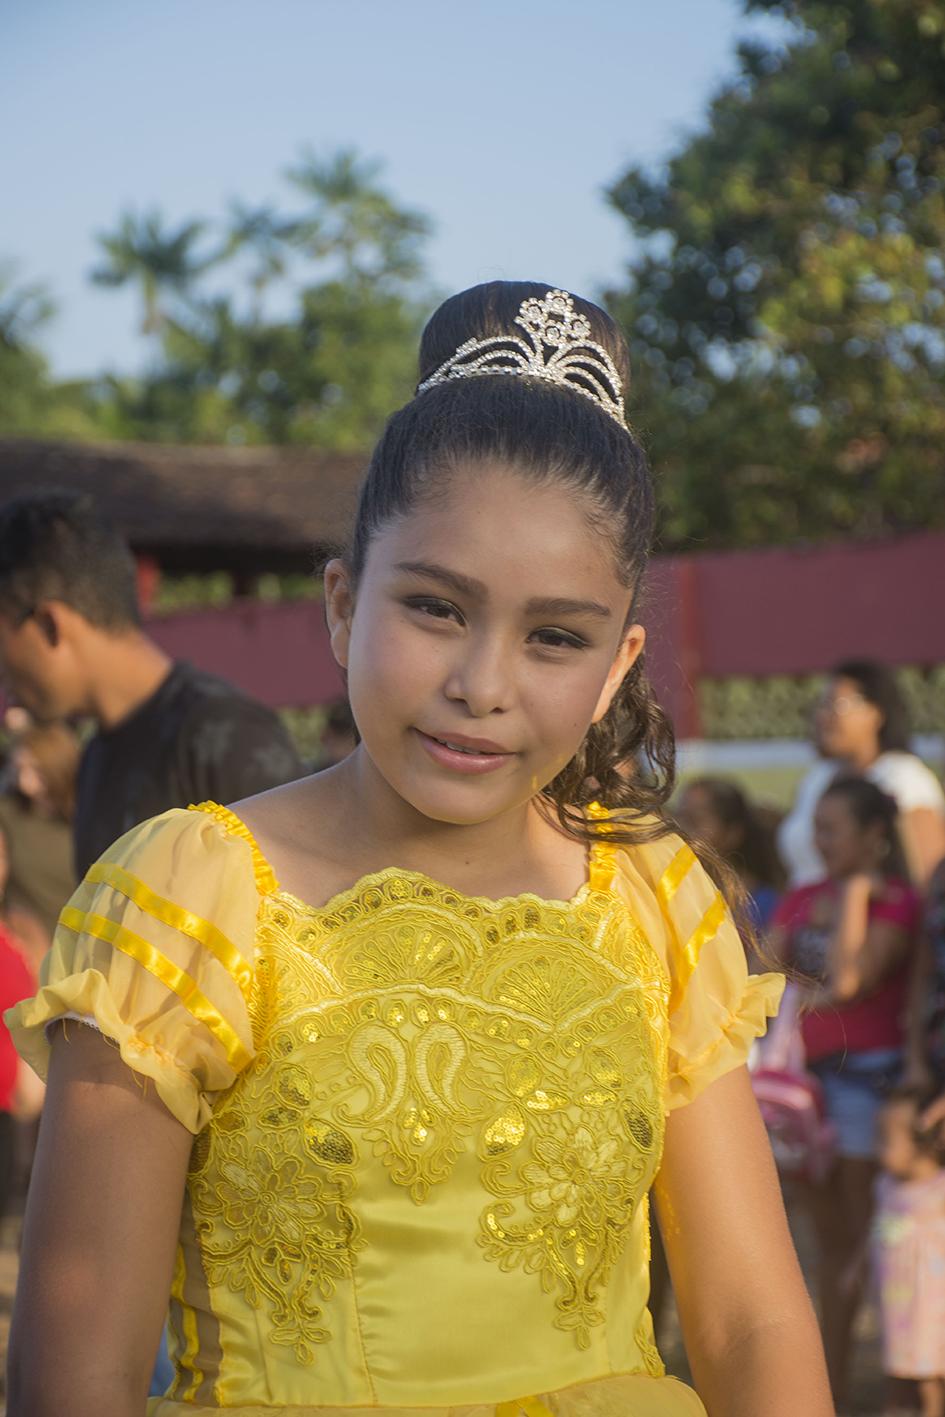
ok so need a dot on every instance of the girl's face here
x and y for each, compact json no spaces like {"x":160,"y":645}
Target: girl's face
{"x":697,"y":815}
{"x":486,"y":634}
{"x":845,"y":845}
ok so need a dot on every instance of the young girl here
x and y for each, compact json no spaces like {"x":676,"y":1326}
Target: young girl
{"x":717,"y":812}
{"x":851,"y":935}
{"x":372,"y":1073}
{"x":909,"y":1252}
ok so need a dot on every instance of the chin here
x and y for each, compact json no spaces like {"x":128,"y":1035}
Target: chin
{"x":462,"y":805}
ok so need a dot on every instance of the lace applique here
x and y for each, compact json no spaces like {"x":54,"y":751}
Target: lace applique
{"x":571,"y":1154}
{"x":413,"y":1024}
{"x":271,"y":1204}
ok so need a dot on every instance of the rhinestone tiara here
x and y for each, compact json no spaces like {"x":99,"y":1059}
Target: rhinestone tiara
{"x":557,"y":347}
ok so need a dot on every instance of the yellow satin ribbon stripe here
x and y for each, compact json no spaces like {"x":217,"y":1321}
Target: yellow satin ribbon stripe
{"x":164,"y":969}
{"x":708,"y":927}
{"x":531,"y":1406}
{"x":674,"y":875}
{"x":213,"y":939}
{"x":187,"y":1361}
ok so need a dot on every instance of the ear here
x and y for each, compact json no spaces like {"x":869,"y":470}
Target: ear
{"x":628,"y":652}
{"x":339,"y":608}
{"x":48,"y":619}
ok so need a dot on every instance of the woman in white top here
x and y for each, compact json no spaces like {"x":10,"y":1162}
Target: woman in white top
{"x":861,"y":726}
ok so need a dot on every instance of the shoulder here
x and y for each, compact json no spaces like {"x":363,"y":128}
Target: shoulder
{"x":217,"y":720}
{"x":794,"y":905}
{"x":906,"y":777}
{"x":189,"y":855}
{"x":899,"y":903}
{"x":678,"y":905}
{"x":814,"y":783}
{"x":200,"y":692}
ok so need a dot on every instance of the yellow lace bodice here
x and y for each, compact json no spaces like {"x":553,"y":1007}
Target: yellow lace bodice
{"x":425,"y":1124}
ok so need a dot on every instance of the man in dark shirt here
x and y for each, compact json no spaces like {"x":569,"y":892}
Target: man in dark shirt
{"x":71,"y":645}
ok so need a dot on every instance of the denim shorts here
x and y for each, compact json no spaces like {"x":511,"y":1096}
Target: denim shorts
{"x":856,"y":1086}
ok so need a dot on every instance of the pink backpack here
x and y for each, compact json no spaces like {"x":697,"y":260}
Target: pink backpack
{"x":791,"y":1100}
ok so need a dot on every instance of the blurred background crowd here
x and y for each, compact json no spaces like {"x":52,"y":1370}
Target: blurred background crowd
{"x":184,"y":439}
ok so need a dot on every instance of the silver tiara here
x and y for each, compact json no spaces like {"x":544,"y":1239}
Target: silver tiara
{"x":558,"y":348}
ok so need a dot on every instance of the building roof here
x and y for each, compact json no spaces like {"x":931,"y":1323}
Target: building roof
{"x":248,"y":510}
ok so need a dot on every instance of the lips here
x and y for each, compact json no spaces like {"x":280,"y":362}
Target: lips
{"x":462,"y":743}
{"x":462,"y":754}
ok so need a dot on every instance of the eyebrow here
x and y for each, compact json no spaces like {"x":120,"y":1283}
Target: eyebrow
{"x":476,"y":590}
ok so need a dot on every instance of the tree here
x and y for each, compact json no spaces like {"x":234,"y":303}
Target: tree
{"x":30,"y":402}
{"x":787,"y":308}
{"x":354,"y":222}
{"x":261,"y":232}
{"x":161,"y":261}
{"x":344,"y":273}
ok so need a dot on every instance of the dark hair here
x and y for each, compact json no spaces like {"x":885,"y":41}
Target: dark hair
{"x":877,"y":684}
{"x":756,"y":853}
{"x":339,"y":718}
{"x":55,"y":545}
{"x":930,"y":1141}
{"x":870,"y":805}
{"x":550,"y":434}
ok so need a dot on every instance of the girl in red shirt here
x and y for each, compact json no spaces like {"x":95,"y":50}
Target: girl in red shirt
{"x":851,"y":936}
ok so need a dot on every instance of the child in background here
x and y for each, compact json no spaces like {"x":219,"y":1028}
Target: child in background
{"x":909,"y":1253}
{"x":853,"y":936}
{"x":717,"y":812}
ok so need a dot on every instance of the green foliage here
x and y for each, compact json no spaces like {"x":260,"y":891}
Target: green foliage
{"x":142,"y":251}
{"x":344,"y":274}
{"x":787,"y":309}
{"x":29,"y":401}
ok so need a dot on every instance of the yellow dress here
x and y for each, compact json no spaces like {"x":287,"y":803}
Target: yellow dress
{"x":425,"y":1124}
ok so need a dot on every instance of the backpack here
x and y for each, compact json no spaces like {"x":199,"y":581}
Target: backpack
{"x":791,"y":1100}
{"x":801,"y":1135}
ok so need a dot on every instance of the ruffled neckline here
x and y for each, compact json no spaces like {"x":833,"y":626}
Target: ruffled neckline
{"x":600,"y":874}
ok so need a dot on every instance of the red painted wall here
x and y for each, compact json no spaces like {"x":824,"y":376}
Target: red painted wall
{"x":277,"y":653}
{"x":751,"y":612}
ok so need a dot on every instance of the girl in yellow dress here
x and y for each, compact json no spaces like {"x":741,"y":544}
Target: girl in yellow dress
{"x":373,"y":1074}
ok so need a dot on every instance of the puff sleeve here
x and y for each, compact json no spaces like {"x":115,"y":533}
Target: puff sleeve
{"x":156,"y":950}
{"x":715,"y":1007}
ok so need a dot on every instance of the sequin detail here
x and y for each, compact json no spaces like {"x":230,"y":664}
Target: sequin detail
{"x":411,"y":1024}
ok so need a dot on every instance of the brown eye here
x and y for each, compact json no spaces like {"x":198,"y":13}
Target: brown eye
{"x":437,"y":609}
{"x":559,"y":639}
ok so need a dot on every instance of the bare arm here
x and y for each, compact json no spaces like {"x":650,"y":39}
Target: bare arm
{"x":99,"y":1238}
{"x":748,"y":1324}
{"x":923,"y":838}
{"x":862,"y":952}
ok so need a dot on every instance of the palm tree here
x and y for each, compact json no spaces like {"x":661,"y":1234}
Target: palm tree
{"x":259,"y":231}
{"x":158,"y":259}
{"x":354,"y":221}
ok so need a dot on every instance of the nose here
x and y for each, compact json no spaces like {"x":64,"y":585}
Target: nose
{"x":482,"y":677}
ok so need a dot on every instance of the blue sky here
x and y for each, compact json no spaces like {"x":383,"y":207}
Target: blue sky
{"x":504,"y":120}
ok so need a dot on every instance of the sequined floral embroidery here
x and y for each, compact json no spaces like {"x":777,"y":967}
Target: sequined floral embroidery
{"x":413,"y":1024}
{"x":570,"y":1162}
{"x":271,"y":1206}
